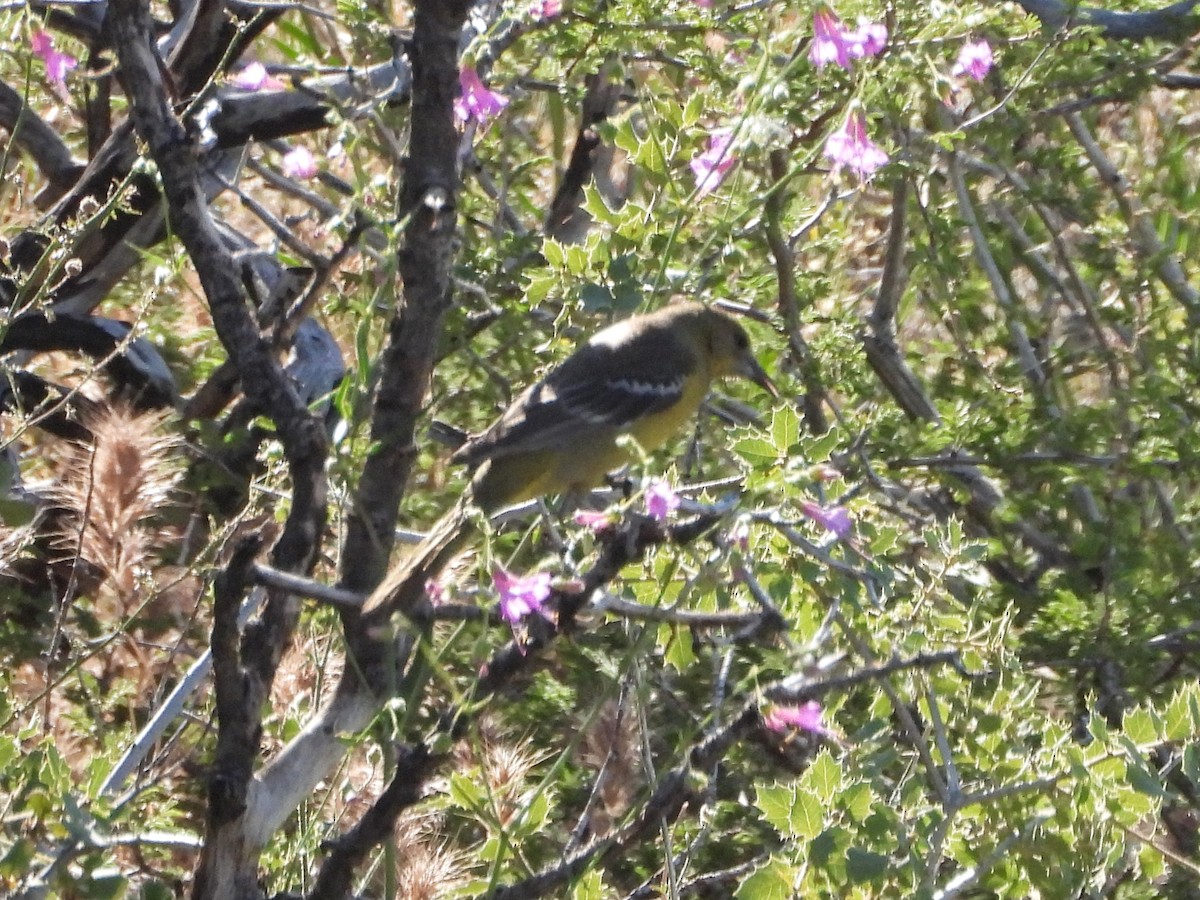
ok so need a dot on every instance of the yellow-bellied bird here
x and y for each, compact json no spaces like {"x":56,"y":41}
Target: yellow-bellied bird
{"x":645,"y":376}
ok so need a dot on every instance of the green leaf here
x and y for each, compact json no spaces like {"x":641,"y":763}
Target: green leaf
{"x":857,"y":801}
{"x":1191,"y":763}
{"x":553,"y":251}
{"x":1193,"y":696}
{"x":620,"y":268}
{"x":595,"y":206}
{"x":17,"y":859}
{"x":8,"y":752}
{"x":695,"y":107}
{"x":1177,"y":719}
{"x":538,"y":288}
{"x":577,"y":260}
{"x":536,"y":814}
{"x":775,"y":880}
{"x":807,"y":816}
{"x":677,"y":647}
{"x":362,"y":351}
{"x":649,"y":156}
{"x":828,"y":851}
{"x":106,"y":884}
{"x":595,"y":297}
{"x":465,"y":792}
{"x":627,"y":297}
{"x":492,"y":848}
{"x":823,"y":778}
{"x":1143,"y":779}
{"x":626,"y":139}
{"x":785,"y":428}
{"x":820,"y":448}
{"x":1141,"y":728}
{"x":755,"y":450}
{"x":155,"y":890}
{"x":775,"y":804}
{"x":1151,"y":862}
{"x":864,"y":865}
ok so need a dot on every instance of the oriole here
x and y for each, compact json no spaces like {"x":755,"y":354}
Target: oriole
{"x":645,"y":376}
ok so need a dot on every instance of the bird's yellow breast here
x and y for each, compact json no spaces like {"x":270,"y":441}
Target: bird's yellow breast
{"x":654,"y":431}
{"x":582,"y":462}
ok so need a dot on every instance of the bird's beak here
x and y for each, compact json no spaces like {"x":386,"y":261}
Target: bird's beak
{"x":748,"y":367}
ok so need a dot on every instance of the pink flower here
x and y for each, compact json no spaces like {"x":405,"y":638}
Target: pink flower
{"x":661,"y":500}
{"x":851,"y":147}
{"x":57,"y":63}
{"x":476,"y":101}
{"x":593,"y":519}
{"x":299,"y":163}
{"x":711,"y":166}
{"x":806,"y":716}
{"x":703,"y":4}
{"x":255,"y":77}
{"x":436,"y":592}
{"x":974,"y":60}
{"x":868,"y":39}
{"x":520,"y":596}
{"x":829,"y":40}
{"x":831,"y":518}
{"x":545,"y":9}
{"x":834,"y":43}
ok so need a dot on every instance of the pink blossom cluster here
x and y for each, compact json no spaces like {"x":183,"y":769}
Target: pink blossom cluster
{"x":806,"y":717}
{"x":834,"y":519}
{"x":711,"y":166}
{"x":975,"y":60}
{"x":58,"y":64}
{"x":661,"y":500}
{"x":299,"y":163}
{"x":850,"y":147}
{"x":834,"y":43}
{"x":255,"y":77}
{"x":521,"y":595}
{"x":545,"y":9}
{"x":476,"y":102}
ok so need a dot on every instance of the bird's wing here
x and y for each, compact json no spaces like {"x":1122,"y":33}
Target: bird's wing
{"x":594,"y":394}
{"x":617,"y":401}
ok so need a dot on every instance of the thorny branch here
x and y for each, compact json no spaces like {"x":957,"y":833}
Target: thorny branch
{"x":676,"y":788}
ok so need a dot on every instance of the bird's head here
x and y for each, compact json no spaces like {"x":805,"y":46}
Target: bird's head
{"x":731,"y":353}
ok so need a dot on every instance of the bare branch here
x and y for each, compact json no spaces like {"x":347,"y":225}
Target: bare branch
{"x":1171,"y":23}
{"x":1142,"y":232}
{"x":880,"y":345}
{"x":815,"y":397}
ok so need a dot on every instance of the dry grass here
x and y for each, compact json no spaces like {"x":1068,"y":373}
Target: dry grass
{"x":611,"y":747}
{"x":114,"y":493}
{"x":110,"y":529}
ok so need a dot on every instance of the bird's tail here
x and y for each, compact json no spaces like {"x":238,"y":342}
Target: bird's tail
{"x":404,"y":586}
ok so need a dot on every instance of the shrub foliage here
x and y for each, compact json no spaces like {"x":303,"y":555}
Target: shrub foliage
{"x":922,"y":626}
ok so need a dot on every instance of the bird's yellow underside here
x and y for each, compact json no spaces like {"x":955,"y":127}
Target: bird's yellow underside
{"x":514,"y":479}
{"x":644,"y":377}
